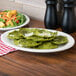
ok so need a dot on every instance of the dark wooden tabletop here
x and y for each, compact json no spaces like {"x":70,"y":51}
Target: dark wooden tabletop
{"x":21,"y":63}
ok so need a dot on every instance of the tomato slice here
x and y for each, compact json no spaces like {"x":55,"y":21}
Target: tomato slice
{"x":17,"y":21}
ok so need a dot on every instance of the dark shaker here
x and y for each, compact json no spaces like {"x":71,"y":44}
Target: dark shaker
{"x":50,"y":19}
{"x":69,"y":20}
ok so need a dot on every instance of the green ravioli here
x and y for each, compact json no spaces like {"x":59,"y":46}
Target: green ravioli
{"x":45,"y":33}
{"x":60,"y":40}
{"x":26,"y":32}
{"x":47,"y":45}
{"x":26,"y":43}
{"x":37,"y":38}
{"x":14,"y":35}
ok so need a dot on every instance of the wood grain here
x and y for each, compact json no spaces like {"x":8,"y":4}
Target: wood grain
{"x":21,"y":63}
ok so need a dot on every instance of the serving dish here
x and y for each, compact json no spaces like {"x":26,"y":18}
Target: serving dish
{"x":12,"y":20}
{"x":70,"y":43}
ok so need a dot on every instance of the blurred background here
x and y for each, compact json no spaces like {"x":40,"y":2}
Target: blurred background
{"x":34,"y":8}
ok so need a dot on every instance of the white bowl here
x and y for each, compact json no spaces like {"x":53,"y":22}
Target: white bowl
{"x":11,"y":28}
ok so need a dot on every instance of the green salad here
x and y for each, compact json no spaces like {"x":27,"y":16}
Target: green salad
{"x":11,"y":18}
{"x":37,"y":38}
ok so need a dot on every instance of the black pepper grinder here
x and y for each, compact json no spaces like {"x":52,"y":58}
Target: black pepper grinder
{"x":69,"y":23}
{"x":50,"y":19}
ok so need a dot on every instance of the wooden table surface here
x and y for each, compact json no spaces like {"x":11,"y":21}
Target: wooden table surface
{"x":21,"y":63}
